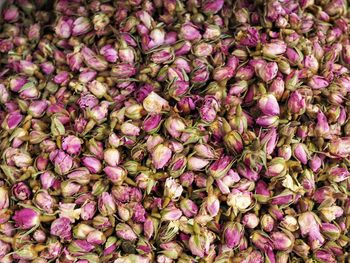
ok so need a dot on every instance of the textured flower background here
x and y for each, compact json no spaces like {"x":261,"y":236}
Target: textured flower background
{"x":140,"y":131}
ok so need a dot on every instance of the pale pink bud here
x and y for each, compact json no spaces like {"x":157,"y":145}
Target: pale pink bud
{"x":161,"y":155}
{"x":188,"y":207}
{"x":125,"y":232}
{"x":11,"y":14}
{"x":275,"y":48}
{"x":81,"y":26}
{"x":190,"y":32}
{"x":71,"y":144}
{"x":220,"y":167}
{"x":268,"y":105}
{"x":92,"y":60}
{"x":112,"y":157}
{"x":109,"y":53}
{"x":93,"y":164}
{"x":21,"y":191}
{"x":26,"y":218}
{"x":268,"y":71}
{"x":63,"y":28}
{"x":106,"y":204}
{"x":172,"y":189}
{"x":296,"y":103}
{"x":301,"y":152}
{"x":130,"y":129}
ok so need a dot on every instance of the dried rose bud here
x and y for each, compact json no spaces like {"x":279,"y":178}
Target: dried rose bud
{"x":250,"y":220}
{"x":21,"y":191}
{"x":125,"y":232}
{"x":233,"y":142}
{"x":282,"y":240}
{"x":296,"y":103}
{"x":274,"y":48}
{"x":11,"y":14}
{"x":4,"y":198}
{"x":324,"y":256}
{"x":161,"y":154}
{"x":267,"y":222}
{"x":240,"y":200}
{"x":93,"y":164}
{"x":71,"y":144}
{"x":300,"y":152}
{"x":220,"y":167}
{"x":106,"y":204}
{"x":61,"y":227}
{"x":26,"y":218}
{"x":269,"y":105}
{"x":44,"y":201}
{"x":171,"y":214}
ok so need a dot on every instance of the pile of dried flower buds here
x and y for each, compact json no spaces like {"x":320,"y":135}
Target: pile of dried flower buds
{"x":140,"y":131}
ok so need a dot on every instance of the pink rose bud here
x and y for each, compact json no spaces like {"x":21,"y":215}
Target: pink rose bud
{"x":268,"y":71}
{"x":152,"y":123}
{"x":62,"y":161}
{"x":324,"y":256}
{"x":75,"y":60}
{"x":63,"y":28}
{"x":209,"y":109}
{"x":88,"y":210}
{"x":268,"y":121}
{"x":198,"y":245}
{"x":80,"y":247}
{"x":92,"y":60}
{"x":37,"y":108}
{"x":21,"y":191}
{"x":331,"y":231}
{"x":309,"y":225}
{"x":232,"y":234}
{"x":239,"y":200}
{"x":212,"y":6}
{"x":11,"y":14}
{"x":296,"y":103}
{"x":282,"y":241}
{"x":47,"y":67}
{"x":250,"y":220}
{"x":174,"y":126}
{"x":4,"y":198}
{"x":220,"y":167}
{"x":267,"y":222}
{"x":182,"y":48}
{"x":130,"y":129}
{"x":112,"y":157}
{"x":275,"y":48}
{"x":44,"y":201}
{"x":277,"y":88}
{"x":110,"y":246}
{"x":5,"y":248}
{"x":5,"y":94}
{"x":172,"y":189}
{"x":27,"y":67}
{"x":318,"y":82}
{"x":161,"y":155}
{"x":96,"y":238}
{"x":187,"y":179}
{"x":26,"y":218}
{"x":188,"y":207}
{"x":116,"y":174}
{"x":12,"y":120}
{"x":276,"y":167}
{"x":106,"y":204}
{"x":205,"y":151}
{"x":338,"y":174}
{"x":62,"y":228}
{"x":322,"y":126}
{"x":190,"y":32}
{"x":123,"y":70}
{"x":233,"y":142}
{"x":285,"y":152}
{"x":71,"y":144}
{"x":69,"y":188}
{"x":109,"y":53}
{"x":212,"y":205}
{"x":100,"y":21}
{"x":47,"y":179}
{"x":340,"y":147}
{"x":81,"y":26}
{"x":301,"y":152}
{"x":93,"y":164}
{"x":87,"y":75}
{"x":126,"y":54}
{"x":330,"y":213}
{"x":268,"y":105}
{"x":125,"y":232}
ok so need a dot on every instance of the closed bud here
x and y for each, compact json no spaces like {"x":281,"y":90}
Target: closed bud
{"x":220,"y":167}
{"x":170,"y":213}
{"x":233,"y":142}
{"x":250,"y":220}
{"x":267,"y":223}
{"x":106,"y":204}
{"x":282,"y":241}
{"x":81,"y":26}
{"x":301,"y":153}
{"x":161,"y":155}
{"x":26,"y":218}
{"x":61,"y":227}
{"x":125,"y":232}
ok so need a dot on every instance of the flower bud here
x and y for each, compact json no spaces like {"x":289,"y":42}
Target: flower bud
{"x":274,"y":48}
{"x":61,"y":227}
{"x":62,"y":161}
{"x":188,"y":207}
{"x":153,"y":103}
{"x":44,"y":201}
{"x":267,"y":223}
{"x":170,"y":213}
{"x":233,"y":142}
{"x":268,"y":121}
{"x":80,"y":247}
{"x":92,"y":60}
{"x":81,"y":26}
{"x":250,"y":220}
{"x":296,"y":103}
{"x":106,"y":204}
{"x":220,"y":167}
{"x":196,"y":164}
{"x":300,"y":152}
{"x":268,"y":71}
{"x":268,"y":105}
{"x":282,"y":241}
{"x":330,"y":231}
{"x":21,"y":191}
{"x":71,"y":144}
{"x":125,"y":232}
{"x":301,"y":248}
{"x":69,"y":188}
{"x":190,"y":32}
{"x":330,"y":213}
{"x":240,"y":200}
{"x":161,"y":155}
{"x":276,"y":167}
{"x":92,"y":163}
{"x":4,"y":198}
{"x":174,"y":126}
{"x":116,"y":174}
{"x":26,"y":218}
{"x":81,"y":231}
{"x":96,"y":238}
{"x":324,"y":256}
{"x":11,"y":14}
